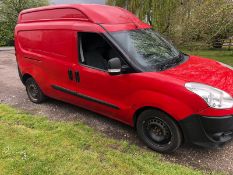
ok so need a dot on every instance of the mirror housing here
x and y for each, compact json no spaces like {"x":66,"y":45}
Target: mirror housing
{"x":114,"y":66}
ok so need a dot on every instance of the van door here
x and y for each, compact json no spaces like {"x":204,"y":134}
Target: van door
{"x":99,"y":90}
{"x":58,"y":62}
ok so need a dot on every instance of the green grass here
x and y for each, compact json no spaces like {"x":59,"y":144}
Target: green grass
{"x":223,"y":55}
{"x":35,"y":145}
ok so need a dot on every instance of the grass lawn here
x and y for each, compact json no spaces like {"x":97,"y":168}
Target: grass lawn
{"x":223,"y":55}
{"x":35,"y":145}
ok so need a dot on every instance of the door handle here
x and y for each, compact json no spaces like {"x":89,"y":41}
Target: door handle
{"x":77,"y":76}
{"x":70,"y":74}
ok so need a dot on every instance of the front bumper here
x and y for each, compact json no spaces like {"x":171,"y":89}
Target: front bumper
{"x":207,"y":131}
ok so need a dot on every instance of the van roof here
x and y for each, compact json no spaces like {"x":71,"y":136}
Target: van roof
{"x":100,"y":14}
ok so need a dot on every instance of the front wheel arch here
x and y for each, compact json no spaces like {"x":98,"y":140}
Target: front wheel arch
{"x":175,"y":129}
{"x":140,"y":110}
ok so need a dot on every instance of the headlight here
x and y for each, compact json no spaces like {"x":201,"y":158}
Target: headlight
{"x":214,"y":97}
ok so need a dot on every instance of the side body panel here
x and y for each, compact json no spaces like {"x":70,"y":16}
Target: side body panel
{"x":47,"y":50}
{"x":129,"y":93}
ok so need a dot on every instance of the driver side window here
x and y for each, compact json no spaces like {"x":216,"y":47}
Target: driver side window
{"x":95,"y":51}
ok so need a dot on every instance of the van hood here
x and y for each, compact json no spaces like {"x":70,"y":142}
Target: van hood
{"x":205,"y":71}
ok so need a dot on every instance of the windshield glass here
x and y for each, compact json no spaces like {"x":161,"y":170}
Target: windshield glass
{"x":148,"y":49}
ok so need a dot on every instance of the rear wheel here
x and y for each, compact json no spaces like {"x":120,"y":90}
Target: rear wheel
{"x":158,"y":131}
{"x":34,"y":92}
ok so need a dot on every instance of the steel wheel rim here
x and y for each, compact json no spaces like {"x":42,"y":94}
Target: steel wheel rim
{"x":33,"y":91}
{"x":157,"y":131}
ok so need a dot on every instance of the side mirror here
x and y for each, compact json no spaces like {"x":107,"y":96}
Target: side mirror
{"x":114,"y":66}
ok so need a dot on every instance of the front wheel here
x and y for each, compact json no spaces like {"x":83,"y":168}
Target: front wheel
{"x":34,"y":92}
{"x":158,"y":131}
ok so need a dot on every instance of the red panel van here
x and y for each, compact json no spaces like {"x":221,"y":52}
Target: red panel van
{"x":105,"y":59}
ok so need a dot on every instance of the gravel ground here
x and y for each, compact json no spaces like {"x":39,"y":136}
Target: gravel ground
{"x":12,"y":92}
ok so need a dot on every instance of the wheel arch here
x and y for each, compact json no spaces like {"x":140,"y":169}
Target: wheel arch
{"x":140,"y":110}
{"x":25,"y":77}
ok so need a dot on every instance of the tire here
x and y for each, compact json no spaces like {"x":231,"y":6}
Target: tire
{"x":158,"y":131}
{"x":34,"y":92}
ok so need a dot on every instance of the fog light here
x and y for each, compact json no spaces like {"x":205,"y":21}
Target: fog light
{"x":222,"y":136}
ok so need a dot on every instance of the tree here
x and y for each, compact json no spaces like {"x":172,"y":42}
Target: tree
{"x":9,"y":11}
{"x":157,"y":13}
{"x":210,"y":22}
{"x":206,"y":22}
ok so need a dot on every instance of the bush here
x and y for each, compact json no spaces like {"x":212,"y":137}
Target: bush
{"x":9,"y":11}
{"x":204,"y":22}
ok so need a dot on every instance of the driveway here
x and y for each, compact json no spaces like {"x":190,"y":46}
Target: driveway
{"x":12,"y":92}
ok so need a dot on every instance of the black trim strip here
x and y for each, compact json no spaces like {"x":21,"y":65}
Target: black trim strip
{"x":84,"y":96}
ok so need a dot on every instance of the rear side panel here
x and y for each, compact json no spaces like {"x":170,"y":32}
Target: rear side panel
{"x":47,"y":56}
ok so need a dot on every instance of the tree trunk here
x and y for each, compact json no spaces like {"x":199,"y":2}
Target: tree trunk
{"x":218,"y":42}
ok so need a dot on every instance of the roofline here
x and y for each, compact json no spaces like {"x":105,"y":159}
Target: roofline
{"x":80,"y":7}
{"x":84,"y":9}
{"x":59,"y":6}
{"x":52,"y":7}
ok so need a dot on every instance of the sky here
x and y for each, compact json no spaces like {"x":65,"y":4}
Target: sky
{"x":78,"y":1}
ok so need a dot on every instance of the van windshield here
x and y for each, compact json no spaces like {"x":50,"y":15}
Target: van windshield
{"x":148,"y":49}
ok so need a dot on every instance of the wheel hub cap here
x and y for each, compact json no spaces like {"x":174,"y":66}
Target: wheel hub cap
{"x":158,"y":131}
{"x":33,"y":90}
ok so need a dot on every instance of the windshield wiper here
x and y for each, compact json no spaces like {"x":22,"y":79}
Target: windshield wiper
{"x":170,"y":63}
